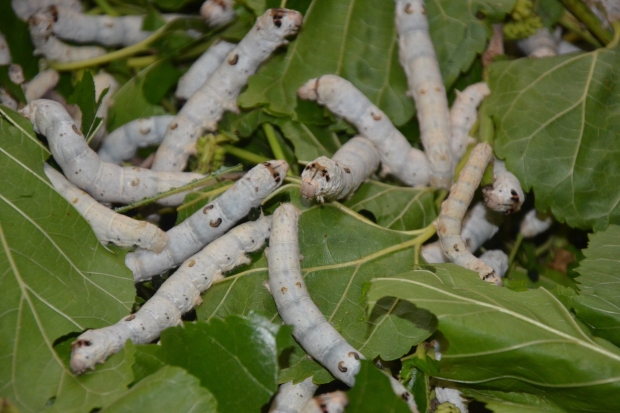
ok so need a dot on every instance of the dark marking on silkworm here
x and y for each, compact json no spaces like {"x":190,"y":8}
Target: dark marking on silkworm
{"x":81,"y":343}
{"x":341,"y":367}
{"x":405,"y":396}
{"x":456,"y":247}
{"x":283,"y":290}
{"x":233,"y":59}
{"x":354,"y":355}
{"x":298,"y":284}
{"x":76,"y":130}
{"x":174,"y":126}
{"x":408,"y":8}
{"x":191,"y":263}
{"x":131,"y":317}
{"x":277,"y":15}
{"x":215,"y":223}
{"x":347,"y":170}
{"x":376,"y":116}
{"x":207,"y":208}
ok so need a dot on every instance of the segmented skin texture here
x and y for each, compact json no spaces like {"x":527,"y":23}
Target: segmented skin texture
{"x":202,"y":68}
{"x":123,"y":143}
{"x":343,"y":99}
{"x":47,"y":45}
{"x":496,"y":259}
{"x":24,"y":9}
{"x":104,"y":181}
{"x":209,"y":222}
{"x":334,"y":402}
{"x":179,"y":294}
{"x":291,"y":398}
{"x":479,"y":226}
{"x":107,"y":225}
{"x":453,"y":210}
{"x":310,"y":328}
{"x":534,"y":223}
{"x":463,"y":116}
{"x":42,"y":83}
{"x":218,"y":12}
{"x":417,"y":56}
{"x":219,"y":93}
{"x":505,"y":195}
{"x":340,"y":176}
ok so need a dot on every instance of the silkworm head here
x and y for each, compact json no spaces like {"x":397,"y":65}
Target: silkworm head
{"x":88,"y":350}
{"x":308,"y":189}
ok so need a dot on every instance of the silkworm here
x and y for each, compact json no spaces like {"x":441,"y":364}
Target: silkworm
{"x":219,"y":92}
{"x":310,"y":328}
{"x":463,"y":116}
{"x":39,"y":85}
{"x":447,"y":395}
{"x":123,"y":143}
{"x":343,"y":99}
{"x":417,"y":56}
{"x":5,"y":53}
{"x":179,"y":294}
{"x":403,"y":393}
{"x":24,"y":9}
{"x":534,"y":223}
{"x":291,"y":398}
{"x":16,"y":74}
{"x":496,"y":259}
{"x":334,"y":402}
{"x":46,"y":44}
{"x":201,"y":69}
{"x":505,"y":194}
{"x":218,"y":12}
{"x":107,"y":225}
{"x":339,"y":177}
{"x":104,"y":181}
{"x":453,"y":209}
{"x":543,"y":43}
{"x":479,"y":225}
{"x":210,"y":222}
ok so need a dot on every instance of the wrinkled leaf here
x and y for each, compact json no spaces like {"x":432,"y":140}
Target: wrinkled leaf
{"x":235,"y":358}
{"x":598,"y":302}
{"x":170,"y":389}
{"x":505,"y":402}
{"x":394,"y":207}
{"x":336,"y":264}
{"x":557,"y":126}
{"x":57,"y":279}
{"x":373,"y":393}
{"x":500,"y":339}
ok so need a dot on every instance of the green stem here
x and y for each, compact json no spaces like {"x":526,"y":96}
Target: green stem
{"x":141,"y":61}
{"x":278,"y":153}
{"x":107,"y":8}
{"x":616,"y":40}
{"x":207,"y":180}
{"x":515,"y":249}
{"x":205,"y":195}
{"x":569,"y":22}
{"x":245,"y":155}
{"x":583,"y":13}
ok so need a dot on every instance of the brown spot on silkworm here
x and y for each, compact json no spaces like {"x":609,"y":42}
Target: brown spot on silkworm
{"x":327,"y":178}
{"x":135,"y":182}
{"x":347,"y":170}
{"x":456,"y":247}
{"x":173,"y":126}
{"x":437,"y":89}
{"x":354,"y":355}
{"x":422,"y":92}
{"x":423,"y":10}
{"x":233,"y":59}
{"x":81,"y":343}
{"x":408,"y":8}
{"x":376,"y":116}
{"x":277,"y":15}
{"x":283,"y":290}
{"x":75,"y":200}
{"x":191,"y":263}
{"x":145,"y":131}
{"x":341,"y":367}
{"x":405,"y":396}
{"x":131,"y":317}
{"x":215,"y":223}
{"x":207,"y":208}
{"x":76,"y":130}
{"x":298,"y":284}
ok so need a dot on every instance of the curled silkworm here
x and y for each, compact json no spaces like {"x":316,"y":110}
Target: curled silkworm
{"x":339,"y":177}
{"x":219,"y":92}
{"x":201,"y":69}
{"x":535,"y":223}
{"x":104,"y":181}
{"x":218,"y":12}
{"x":310,"y":328}
{"x":417,"y":56}
{"x":505,"y":194}
{"x":342,"y":98}
{"x":46,"y":44}
{"x":334,"y":402}
{"x":292,"y":397}
{"x":24,"y":9}
{"x":543,"y":43}
{"x":123,"y":143}
{"x":210,"y":222}
{"x":453,"y":210}
{"x":447,"y":395}
{"x":107,"y":225}
{"x":42,"y":83}
{"x":179,"y":294}
{"x":496,"y":259}
{"x":479,"y":226}
{"x":463,"y":116}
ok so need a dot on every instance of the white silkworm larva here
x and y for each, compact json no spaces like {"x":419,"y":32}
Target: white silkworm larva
{"x":123,"y":143}
{"x":534,"y":223}
{"x":453,"y":210}
{"x":445,"y":394}
{"x":7,"y":100}
{"x":201,"y":69}
{"x":543,"y":43}
{"x":41,"y":26}
{"x":292,"y":397}
{"x":479,"y":225}
{"x":339,"y":177}
{"x":42,"y":83}
{"x":417,"y":56}
{"x":310,"y":328}
{"x":463,"y":116}
{"x":219,"y":92}
{"x":24,"y":9}
{"x":5,"y":53}
{"x":496,"y":259}
{"x":104,"y":181}
{"x":107,"y":225}
{"x":342,"y":98}
{"x":209,"y":222}
{"x":403,"y":393}
{"x":218,"y":12}
{"x":334,"y":402}
{"x":178,"y":295}
{"x":505,"y":194}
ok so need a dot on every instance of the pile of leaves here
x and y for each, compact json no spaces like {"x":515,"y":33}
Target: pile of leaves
{"x":547,"y":341}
